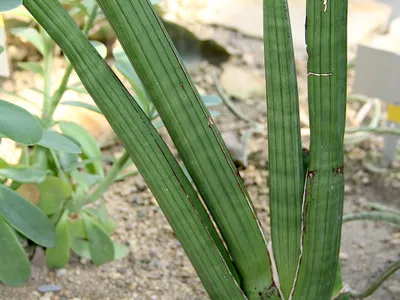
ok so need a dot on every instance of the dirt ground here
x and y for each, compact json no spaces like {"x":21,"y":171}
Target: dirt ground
{"x":157,"y":267}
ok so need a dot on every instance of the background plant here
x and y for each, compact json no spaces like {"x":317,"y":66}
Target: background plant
{"x":66,"y":167}
{"x":19,"y":219}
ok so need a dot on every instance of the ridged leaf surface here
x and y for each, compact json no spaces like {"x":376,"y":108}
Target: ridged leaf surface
{"x":285,"y":157}
{"x":326,"y":37}
{"x":162,"y":173}
{"x":196,"y":137}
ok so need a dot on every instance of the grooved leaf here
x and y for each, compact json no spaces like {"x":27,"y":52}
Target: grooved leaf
{"x":165,"y":178}
{"x":100,"y":47}
{"x":326,"y":37}
{"x":285,"y":158}
{"x":195,"y":135}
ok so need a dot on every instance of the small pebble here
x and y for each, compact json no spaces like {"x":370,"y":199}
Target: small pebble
{"x":343,"y":255}
{"x":61,"y":272}
{"x":141,"y":186}
{"x":114,"y":275}
{"x":49,"y":288}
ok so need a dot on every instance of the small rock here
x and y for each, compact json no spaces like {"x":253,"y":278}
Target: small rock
{"x":235,"y":146}
{"x":132,"y":286}
{"x":17,"y":53}
{"x":35,"y":293}
{"x":396,"y":238}
{"x":142,"y":213}
{"x":343,"y":256}
{"x":46,"y":296}
{"x":357,"y":154}
{"x":61,"y":272}
{"x":141,"y":185}
{"x":347,"y":189}
{"x":49,"y":288}
{"x":39,"y":258}
{"x":394,"y":289}
{"x":242,"y":83}
{"x":114,"y":275}
{"x":153,"y":253}
{"x":84,"y":261}
{"x":137,"y":200}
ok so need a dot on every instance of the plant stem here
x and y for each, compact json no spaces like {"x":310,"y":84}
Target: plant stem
{"x":378,"y":130}
{"x":377,"y":283}
{"x":380,"y":207}
{"x":231,"y":106}
{"x":60,"y":171}
{"x":109,"y":179}
{"x":374,"y":216}
{"x":126,"y":175}
{"x":25,"y":155}
{"x":48,"y":65}
{"x":56,"y":98}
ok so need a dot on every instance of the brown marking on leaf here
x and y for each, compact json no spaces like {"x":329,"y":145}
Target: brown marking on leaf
{"x":310,"y":175}
{"x":306,"y":151}
{"x":338,"y":171}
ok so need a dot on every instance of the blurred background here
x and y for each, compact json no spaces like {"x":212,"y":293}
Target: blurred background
{"x":221,"y":44}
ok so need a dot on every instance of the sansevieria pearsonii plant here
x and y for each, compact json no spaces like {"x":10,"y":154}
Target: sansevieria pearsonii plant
{"x":231,"y":254}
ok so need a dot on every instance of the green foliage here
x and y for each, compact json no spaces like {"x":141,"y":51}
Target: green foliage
{"x":6,"y":5}
{"x":64,"y":167}
{"x":227,"y":249}
{"x":14,"y":264}
{"x":58,"y":142}
{"x":26,"y":131}
{"x":50,"y":169}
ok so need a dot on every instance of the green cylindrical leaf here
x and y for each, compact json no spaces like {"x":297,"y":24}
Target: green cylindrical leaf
{"x":326,"y":37}
{"x":285,"y":157}
{"x":15,"y":268}
{"x":176,"y":197}
{"x":196,"y":137}
{"x":26,"y":218}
